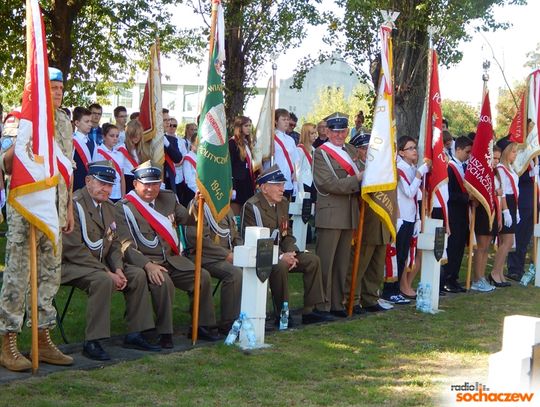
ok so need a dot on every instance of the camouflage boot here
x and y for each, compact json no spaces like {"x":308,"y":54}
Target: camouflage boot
{"x":10,"y":357}
{"x":48,"y":352}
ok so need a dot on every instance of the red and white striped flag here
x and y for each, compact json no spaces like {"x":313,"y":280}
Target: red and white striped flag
{"x":32,"y":189}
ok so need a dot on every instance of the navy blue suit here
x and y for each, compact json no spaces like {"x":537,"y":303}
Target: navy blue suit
{"x":81,"y":172}
{"x":96,"y":135}
{"x":524,"y":229}
{"x":173,"y":152}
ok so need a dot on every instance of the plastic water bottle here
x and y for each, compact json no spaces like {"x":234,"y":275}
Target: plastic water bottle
{"x":427,"y":298}
{"x":528,"y":276}
{"x":420,"y":297}
{"x":284,"y":317}
{"x":247,"y":326}
{"x":234,"y":332}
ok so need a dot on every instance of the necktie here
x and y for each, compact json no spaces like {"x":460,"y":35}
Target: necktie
{"x":100,"y":212}
{"x":464,"y":165}
{"x":151,"y":205}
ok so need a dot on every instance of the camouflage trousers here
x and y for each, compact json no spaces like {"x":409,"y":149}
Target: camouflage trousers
{"x":15,"y":293}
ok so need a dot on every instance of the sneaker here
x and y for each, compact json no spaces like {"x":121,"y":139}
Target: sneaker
{"x":398,"y":299}
{"x":482,"y":286}
{"x":385,"y":304}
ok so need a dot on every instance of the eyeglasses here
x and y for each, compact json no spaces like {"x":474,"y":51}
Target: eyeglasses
{"x":410,"y":149}
{"x":173,"y":125}
{"x":97,"y":113}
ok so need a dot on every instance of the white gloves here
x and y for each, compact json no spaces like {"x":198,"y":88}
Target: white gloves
{"x":534,"y":171}
{"x":2,"y":198}
{"x":423,"y":169}
{"x":507,"y":218}
{"x":518,"y":218}
{"x":166,"y":141}
{"x":417,"y":227}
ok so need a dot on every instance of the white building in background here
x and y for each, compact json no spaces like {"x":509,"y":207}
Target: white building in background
{"x":333,"y":73}
{"x":183,"y":90}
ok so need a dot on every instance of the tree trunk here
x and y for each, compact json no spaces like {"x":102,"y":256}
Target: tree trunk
{"x":235,"y":91}
{"x":410,"y":66}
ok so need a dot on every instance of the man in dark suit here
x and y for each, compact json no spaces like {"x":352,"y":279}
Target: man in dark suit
{"x":146,"y":222}
{"x":172,"y":152}
{"x":268,"y":208}
{"x":92,"y":262}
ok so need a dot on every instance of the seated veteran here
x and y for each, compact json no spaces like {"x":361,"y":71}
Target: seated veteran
{"x":217,"y":258}
{"x":268,"y":208}
{"x":92,"y":262}
{"x":147,"y":220}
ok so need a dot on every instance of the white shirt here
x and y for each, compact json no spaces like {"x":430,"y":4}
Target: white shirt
{"x":281,"y":160}
{"x":119,"y":158}
{"x":304,"y":174}
{"x":408,"y":193}
{"x":505,"y":181}
{"x":190,"y":172}
{"x":178,"y":168}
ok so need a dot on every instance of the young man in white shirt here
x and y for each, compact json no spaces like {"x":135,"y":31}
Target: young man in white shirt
{"x":285,"y":153}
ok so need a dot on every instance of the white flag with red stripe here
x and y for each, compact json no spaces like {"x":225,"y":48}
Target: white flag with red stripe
{"x":32,"y":189}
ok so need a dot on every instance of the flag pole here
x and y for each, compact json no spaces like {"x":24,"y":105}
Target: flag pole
{"x":272,"y":114}
{"x":535,"y":209}
{"x":428,"y":122}
{"x":200,"y":209}
{"x":356,"y":258}
{"x":471,"y":240}
{"x":34,"y":299}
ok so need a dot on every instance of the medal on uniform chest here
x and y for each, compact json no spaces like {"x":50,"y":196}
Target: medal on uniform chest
{"x":284,"y":226}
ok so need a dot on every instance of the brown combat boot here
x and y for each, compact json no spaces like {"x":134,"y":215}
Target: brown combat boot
{"x":10,"y":357}
{"x":49,"y":353}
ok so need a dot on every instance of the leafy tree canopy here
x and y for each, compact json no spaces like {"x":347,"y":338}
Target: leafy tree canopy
{"x":506,"y":108}
{"x":94,"y":42}
{"x":462,"y":117}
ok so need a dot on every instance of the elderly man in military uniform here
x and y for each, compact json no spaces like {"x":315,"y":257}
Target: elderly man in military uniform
{"x":268,"y":208}
{"x":17,"y":271}
{"x":219,"y":240}
{"x":92,"y":262}
{"x":337,"y":178}
{"x":146,"y":222}
{"x":375,"y":237}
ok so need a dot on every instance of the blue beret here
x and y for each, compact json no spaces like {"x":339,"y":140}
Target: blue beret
{"x":272,"y":175}
{"x":337,"y":121}
{"x":147,"y":173}
{"x":102,"y":171}
{"x":55,"y":74}
{"x":360,"y":140}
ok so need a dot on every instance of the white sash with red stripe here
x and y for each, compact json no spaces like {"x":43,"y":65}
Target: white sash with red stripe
{"x":130,"y":161}
{"x":109,"y":157}
{"x":161,"y":224}
{"x":79,"y":144}
{"x":285,"y":153}
{"x":249,"y":162}
{"x":342,"y":157}
{"x":191,"y":160}
{"x":510,"y":177}
{"x":306,"y":153}
{"x":65,"y":166}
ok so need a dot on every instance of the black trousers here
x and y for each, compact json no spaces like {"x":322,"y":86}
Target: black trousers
{"x":459,"y":232}
{"x":403,"y":244}
{"x":524,"y":232}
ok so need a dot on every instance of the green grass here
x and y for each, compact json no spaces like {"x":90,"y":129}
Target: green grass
{"x":397,"y":358}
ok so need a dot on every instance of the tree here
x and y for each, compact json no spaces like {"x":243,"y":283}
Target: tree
{"x":359,"y":29}
{"x":256,"y":32}
{"x":332,"y":100}
{"x":507,"y":108}
{"x":462,"y":117}
{"x":533,"y":58}
{"x":93,"y":42}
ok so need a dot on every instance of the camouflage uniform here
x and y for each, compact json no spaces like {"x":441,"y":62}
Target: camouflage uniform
{"x":17,"y":272}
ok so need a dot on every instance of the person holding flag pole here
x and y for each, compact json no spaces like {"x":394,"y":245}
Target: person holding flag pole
{"x":378,"y":188}
{"x":40,"y":182}
{"x":213,"y":165}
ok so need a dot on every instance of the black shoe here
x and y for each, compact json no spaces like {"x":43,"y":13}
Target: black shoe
{"x":165,"y":341}
{"x":496,"y":283}
{"x":205,"y":334}
{"x":449,"y":288}
{"x":341,"y":313}
{"x":442,"y":293}
{"x":135,"y":340}
{"x":358,"y":310}
{"x":410,"y":297}
{"x":375,"y":308}
{"x":458,"y":287}
{"x":316,"y":317}
{"x":514,"y":276}
{"x":93,"y":350}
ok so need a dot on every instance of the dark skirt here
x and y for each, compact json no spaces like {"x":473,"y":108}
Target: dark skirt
{"x":244,"y":190}
{"x":511,"y":204}
{"x":481,"y":223}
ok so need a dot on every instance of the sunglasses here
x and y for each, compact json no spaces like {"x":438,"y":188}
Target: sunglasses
{"x":173,"y":125}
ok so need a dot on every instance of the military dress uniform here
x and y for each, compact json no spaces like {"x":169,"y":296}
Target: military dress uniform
{"x":336,"y":215}
{"x":90,"y":252}
{"x":17,"y":271}
{"x":214,"y":254}
{"x":257,"y":211}
{"x":137,"y":249}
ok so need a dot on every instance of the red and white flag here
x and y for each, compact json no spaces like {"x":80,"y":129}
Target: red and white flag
{"x":433,"y":145}
{"x":37,"y":158}
{"x":479,"y":174}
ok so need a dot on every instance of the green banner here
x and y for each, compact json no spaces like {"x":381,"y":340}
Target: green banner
{"x":213,"y":165}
